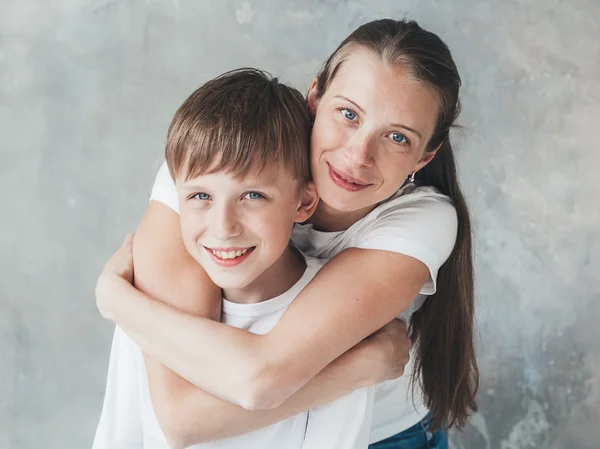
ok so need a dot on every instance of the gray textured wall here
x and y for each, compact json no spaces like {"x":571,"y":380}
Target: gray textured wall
{"x":87,"y":89}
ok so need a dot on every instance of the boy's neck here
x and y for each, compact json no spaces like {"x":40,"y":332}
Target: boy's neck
{"x":274,"y":281}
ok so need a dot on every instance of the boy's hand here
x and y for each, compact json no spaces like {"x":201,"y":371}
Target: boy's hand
{"x":118,"y":268}
{"x":386,"y":352}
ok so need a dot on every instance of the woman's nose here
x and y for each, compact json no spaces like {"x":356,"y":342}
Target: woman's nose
{"x":359,"y":152}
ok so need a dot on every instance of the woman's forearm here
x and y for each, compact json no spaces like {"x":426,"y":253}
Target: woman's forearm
{"x":166,"y":271}
{"x":224,"y":361}
{"x":191,"y":416}
{"x":263,"y":371}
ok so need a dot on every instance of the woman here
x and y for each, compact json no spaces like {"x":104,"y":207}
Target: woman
{"x":393,"y":221}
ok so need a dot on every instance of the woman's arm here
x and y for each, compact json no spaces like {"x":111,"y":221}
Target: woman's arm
{"x":166,"y":271}
{"x":193,"y":416}
{"x":188,"y":415}
{"x":356,"y":293}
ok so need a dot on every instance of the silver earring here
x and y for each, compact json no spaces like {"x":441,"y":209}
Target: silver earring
{"x":411,"y":178}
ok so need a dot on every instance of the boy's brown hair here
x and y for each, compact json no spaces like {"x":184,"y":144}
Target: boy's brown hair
{"x":240,"y":121}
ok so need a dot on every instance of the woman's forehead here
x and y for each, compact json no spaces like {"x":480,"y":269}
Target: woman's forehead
{"x":385,"y":90}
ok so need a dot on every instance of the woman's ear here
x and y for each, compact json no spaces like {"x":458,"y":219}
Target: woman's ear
{"x":308,"y":203}
{"x":426,"y":158}
{"x":312,"y":99}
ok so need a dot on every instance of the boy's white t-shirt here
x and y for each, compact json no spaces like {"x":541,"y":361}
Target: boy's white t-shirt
{"x":128,"y":420}
{"x":419,"y":222}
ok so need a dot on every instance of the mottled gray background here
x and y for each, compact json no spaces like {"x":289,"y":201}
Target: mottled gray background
{"x":87,"y":89}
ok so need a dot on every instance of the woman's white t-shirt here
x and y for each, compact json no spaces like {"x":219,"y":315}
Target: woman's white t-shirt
{"x":419,"y":222}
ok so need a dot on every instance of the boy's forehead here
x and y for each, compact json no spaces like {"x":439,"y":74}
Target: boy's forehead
{"x":269,"y":175}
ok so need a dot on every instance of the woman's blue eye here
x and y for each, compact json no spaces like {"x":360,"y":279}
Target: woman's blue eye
{"x":348,"y":113}
{"x":398,"y":138}
{"x":254,"y":196}
{"x":202,"y":196}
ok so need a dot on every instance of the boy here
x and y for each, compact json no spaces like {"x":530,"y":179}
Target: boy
{"x":238,"y":152}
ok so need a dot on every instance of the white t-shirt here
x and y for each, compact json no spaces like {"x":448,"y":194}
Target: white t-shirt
{"x":419,"y":222}
{"x":128,"y":420}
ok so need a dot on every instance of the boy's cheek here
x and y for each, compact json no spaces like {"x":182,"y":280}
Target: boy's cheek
{"x":189,"y":227}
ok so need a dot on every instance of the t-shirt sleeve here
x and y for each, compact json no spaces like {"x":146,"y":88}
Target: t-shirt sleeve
{"x":120,"y":425}
{"x":424,"y":228}
{"x":164,"y":190}
{"x":344,"y":423}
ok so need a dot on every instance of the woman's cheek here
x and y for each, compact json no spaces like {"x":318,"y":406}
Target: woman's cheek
{"x":329,"y":135}
{"x":394,"y":167}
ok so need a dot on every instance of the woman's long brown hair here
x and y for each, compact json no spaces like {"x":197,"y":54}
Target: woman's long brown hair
{"x":442,"y":329}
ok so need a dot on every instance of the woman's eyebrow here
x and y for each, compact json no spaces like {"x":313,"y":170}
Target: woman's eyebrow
{"x":350,"y":101}
{"x":407,"y":128}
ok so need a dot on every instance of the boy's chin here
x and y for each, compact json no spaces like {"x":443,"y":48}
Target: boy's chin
{"x":227,"y":282}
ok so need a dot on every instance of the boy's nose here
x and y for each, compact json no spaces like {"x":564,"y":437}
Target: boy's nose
{"x":225,"y":223}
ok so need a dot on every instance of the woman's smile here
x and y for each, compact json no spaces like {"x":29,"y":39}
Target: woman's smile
{"x":345,"y":181}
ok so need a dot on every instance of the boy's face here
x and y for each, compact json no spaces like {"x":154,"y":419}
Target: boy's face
{"x":237,"y":229}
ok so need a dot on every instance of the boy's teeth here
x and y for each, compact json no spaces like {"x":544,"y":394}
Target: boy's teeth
{"x":229,"y":254}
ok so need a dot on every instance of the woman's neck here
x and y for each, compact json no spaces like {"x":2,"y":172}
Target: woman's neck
{"x":329,"y":219}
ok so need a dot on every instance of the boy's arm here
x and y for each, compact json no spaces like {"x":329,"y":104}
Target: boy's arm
{"x":345,"y":422}
{"x":120,"y":425}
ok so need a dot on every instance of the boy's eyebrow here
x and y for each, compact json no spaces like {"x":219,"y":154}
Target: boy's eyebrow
{"x":192,"y":185}
{"x":258,"y":186}
{"x":398,"y":125}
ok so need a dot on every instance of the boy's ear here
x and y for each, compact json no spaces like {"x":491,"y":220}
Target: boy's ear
{"x":308,"y":203}
{"x":312,"y":98}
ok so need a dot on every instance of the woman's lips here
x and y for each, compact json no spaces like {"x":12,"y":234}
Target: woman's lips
{"x":346,"y":181}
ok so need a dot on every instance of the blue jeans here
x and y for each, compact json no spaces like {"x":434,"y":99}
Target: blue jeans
{"x":418,"y":436}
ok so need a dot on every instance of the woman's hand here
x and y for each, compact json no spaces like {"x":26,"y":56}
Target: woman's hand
{"x":118,"y":269}
{"x":386,"y":352}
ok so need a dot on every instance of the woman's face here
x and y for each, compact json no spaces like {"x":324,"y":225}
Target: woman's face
{"x":370,"y":132}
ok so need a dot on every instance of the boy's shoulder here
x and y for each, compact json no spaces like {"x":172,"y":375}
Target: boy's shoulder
{"x":313,"y":264}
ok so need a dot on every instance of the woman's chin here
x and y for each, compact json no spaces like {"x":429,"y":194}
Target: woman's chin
{"x":339,"y":202}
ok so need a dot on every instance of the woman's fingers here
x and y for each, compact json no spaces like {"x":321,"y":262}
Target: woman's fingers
{"x":119,"y":265}
{"x":121,"y":262}
{"x":128,"y":240}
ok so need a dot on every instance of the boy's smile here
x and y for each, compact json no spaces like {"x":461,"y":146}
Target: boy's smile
{"x":229,"y":257}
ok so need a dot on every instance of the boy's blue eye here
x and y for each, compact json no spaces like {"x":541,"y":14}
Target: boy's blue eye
{"x":398,"y":138}
{"x":253,"y":196}
{"x":201,"y":196}
{"x":348,"y":113}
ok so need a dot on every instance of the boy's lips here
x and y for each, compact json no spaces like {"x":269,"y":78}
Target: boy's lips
{"x":230,"y":256}
{"x":346,"y":181}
